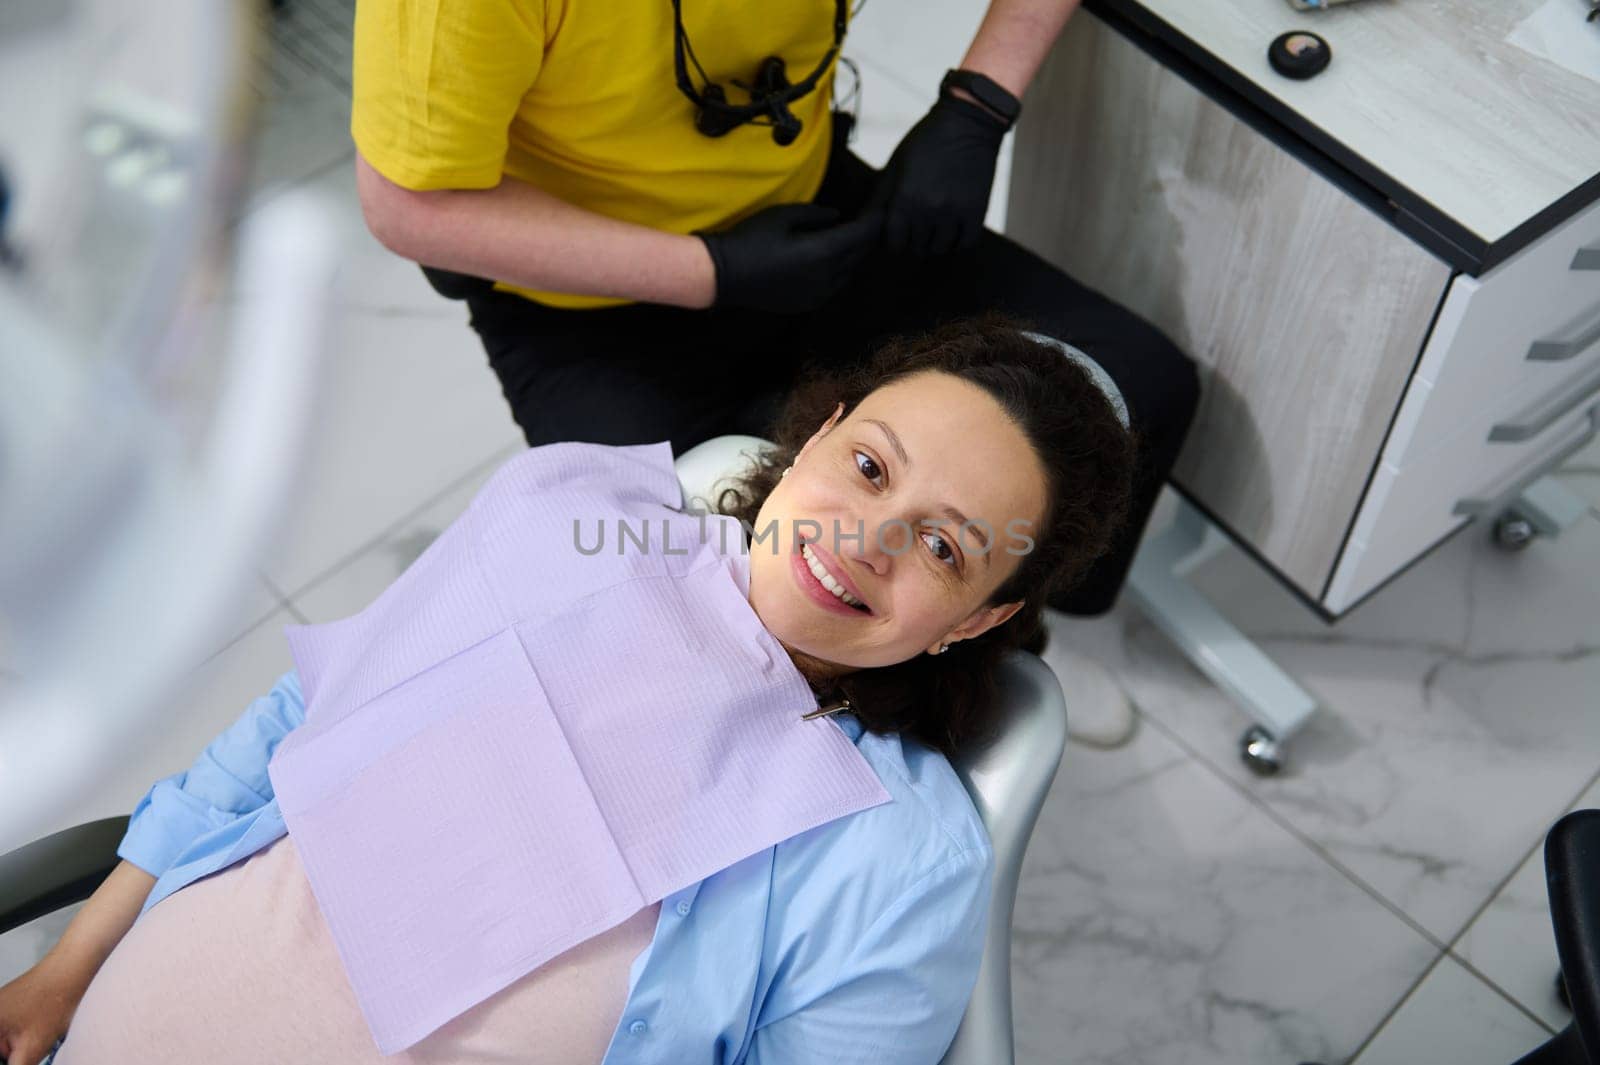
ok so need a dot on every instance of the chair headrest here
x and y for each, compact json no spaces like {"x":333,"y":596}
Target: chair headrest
{"x":1095,"y":371}
{"x":701,"y":469}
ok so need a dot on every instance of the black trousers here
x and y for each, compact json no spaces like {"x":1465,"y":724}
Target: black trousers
{"x":645,"y":372}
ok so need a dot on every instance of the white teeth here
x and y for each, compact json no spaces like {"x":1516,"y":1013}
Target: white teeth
{"x":825,"y":578}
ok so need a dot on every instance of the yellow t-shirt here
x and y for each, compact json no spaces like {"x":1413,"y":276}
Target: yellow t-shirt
{"x":579,"y":98}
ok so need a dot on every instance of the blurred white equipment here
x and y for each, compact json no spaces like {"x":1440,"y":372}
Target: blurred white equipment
{"x":141,"y":473}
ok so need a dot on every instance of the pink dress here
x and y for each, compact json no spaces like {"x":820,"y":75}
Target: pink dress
{"x":239,"y":967}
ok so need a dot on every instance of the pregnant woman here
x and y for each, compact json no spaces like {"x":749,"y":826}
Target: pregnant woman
{"x":1005,"y":466}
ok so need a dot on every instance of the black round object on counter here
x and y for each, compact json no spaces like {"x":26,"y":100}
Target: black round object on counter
{"x":1298,"y":54}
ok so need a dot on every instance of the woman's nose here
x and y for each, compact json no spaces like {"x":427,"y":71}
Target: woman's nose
{"x":875,"y":540}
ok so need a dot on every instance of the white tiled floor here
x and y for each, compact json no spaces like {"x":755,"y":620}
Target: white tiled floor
{"x":1582,"y":474}
{"x":1511,"y":942}
{"x":1454,"y":1017}
{"x":1458,"y":723}
{"x":1382,"y":902}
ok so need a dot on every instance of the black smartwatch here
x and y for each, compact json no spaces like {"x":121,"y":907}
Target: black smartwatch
{"x":986,"y":91}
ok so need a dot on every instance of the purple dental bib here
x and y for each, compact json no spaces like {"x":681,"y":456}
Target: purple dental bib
{"x":519,"y":744}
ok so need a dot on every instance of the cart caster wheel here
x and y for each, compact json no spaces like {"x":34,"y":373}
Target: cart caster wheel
{"x":1513,"y":533}
{"x":1261,"y":751}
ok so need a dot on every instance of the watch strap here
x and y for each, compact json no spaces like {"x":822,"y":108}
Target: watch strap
{"x":986,"y":91}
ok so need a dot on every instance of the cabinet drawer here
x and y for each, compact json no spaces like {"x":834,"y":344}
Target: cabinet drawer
{"x":1408,"y":509}
{"x":1522,"y":338}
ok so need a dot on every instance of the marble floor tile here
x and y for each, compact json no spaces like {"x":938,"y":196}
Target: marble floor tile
{"x":1512,"y":944}
{"x":916,"y":40}
{"x":408,"y":404}
{"x":299,"y":135}
{"x":1456,"y":716}
{"x":258,"y":603}
{"x":1582,"y":474}
{"x":205,"y":702}
{"x":372,"y":279}
{"x":1453,"y":1017}
{"x":348,"y":589}
{"x":252,"y":606}
{"x":1164,"y":919}
{"x":117,"y":790}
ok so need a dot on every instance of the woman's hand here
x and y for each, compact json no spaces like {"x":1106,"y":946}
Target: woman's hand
{"x":35,"y":1009}
{"x":36,"y":1006}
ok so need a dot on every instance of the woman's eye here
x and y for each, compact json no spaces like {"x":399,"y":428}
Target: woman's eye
{"x":951,"y":559}
{"x":943,"y":552}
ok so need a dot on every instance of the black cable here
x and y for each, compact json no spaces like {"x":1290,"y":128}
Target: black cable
{"x":851,"y":105}
{"x":689,"y":47}
{"x":775,"y":104}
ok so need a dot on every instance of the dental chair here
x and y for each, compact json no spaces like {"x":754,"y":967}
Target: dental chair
{"x":1007,"y":780}
{"x":1572,"y":882}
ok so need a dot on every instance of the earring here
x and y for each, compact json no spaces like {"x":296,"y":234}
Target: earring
{"x":785,"y":472}
{"x":942,"y":648}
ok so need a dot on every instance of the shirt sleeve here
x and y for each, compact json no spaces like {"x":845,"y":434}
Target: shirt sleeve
{"x":437,"y":83}
{"x":228,"y":780}
{"x":900,"y":996}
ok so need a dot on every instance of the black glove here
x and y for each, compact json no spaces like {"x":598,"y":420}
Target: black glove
{"x":936,"y":186}
{"x":789,"y":258}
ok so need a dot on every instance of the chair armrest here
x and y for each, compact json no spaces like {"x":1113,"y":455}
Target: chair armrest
{"x":57,"y":870}
{"x":1572,"y":876}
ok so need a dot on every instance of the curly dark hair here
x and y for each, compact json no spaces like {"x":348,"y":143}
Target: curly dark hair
{"x":950,"y":700}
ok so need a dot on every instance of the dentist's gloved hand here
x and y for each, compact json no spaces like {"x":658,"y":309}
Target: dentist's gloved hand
{"x":790,"y":257}
{"x":937,"y":183}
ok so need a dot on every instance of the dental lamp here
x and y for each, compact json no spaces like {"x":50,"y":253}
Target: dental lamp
{"x":144,"y":465}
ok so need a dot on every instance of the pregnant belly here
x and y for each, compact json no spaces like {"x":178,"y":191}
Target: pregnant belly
{"x":239,"y":967}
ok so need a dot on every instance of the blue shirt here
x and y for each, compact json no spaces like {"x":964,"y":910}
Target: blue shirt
{"x":855,"y":942}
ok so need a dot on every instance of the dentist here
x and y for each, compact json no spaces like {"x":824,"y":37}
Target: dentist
{"x":655,"y":221}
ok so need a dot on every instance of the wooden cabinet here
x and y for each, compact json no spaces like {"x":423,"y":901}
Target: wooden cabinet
{"x":1360,"y":384}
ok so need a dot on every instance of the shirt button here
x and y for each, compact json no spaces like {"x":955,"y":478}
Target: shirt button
{"x":637,"y":1027}
{"x":683,"y":908}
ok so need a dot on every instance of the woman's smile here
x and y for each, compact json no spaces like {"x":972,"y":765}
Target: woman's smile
{"x":814,"y":588}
